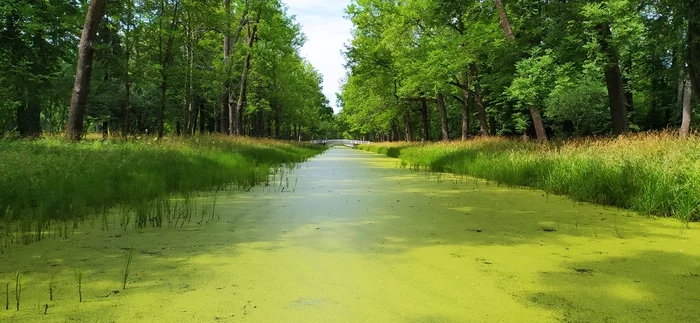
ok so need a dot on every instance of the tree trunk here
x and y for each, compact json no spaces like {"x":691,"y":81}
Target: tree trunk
{"x":503,"y":18}
{"x":244,"y":81}
{"x":613,"y":80}
{"x":29,"y":117}
{"x":408,"y":126}
{"x":105,"y":129}
{"x":163,"y":103}
{"x":395,"y":133}
{"x":687,"y":108}
{"x":694,"y":45}
{"x":81,"y":88}
{"x":226,"y":92}
{"x":127,"y":105}
{"x":426,"y":119}
{"x":127,"y":77}
{"x":277,"y":121}
{"x":189,"y":111}
{"x":465,"y":107}
{"x":202,"y":118}
{"x":166,"y":60}
{"x":195,"y":116}
{"x":629,"y":96}
{"x":478,"y":100}
{"x":261,"y":124}
{"x":443,"y":116}
{"x":538,"y":124}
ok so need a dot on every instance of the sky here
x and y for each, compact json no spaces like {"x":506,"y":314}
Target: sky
{"x":326,"y":33}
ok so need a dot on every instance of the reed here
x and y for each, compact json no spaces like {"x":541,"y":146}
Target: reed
{"x":654,"y":174}
{"x":65,"y":185}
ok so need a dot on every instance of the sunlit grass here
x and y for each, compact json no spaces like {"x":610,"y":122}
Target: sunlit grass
{"x":655,"y":174}
{"x":49,"y":180}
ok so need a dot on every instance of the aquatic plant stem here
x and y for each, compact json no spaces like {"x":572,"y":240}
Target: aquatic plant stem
{"x":126,"y":270}
{"x":80,"y":286}
{"x":18,"y":289}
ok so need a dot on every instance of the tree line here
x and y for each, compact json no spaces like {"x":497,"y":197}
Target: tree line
{"x":448,"y":69}
{"x":156,"y":67}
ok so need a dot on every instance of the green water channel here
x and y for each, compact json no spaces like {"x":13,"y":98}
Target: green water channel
{"x":352,"y":237}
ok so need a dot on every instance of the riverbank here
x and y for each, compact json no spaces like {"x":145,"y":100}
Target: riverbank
{"x":46,"y":183}
{"x":657,"y":174}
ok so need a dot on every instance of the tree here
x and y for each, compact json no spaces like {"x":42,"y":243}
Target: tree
{"x":81,"y":89}
{"x":694,"y":44}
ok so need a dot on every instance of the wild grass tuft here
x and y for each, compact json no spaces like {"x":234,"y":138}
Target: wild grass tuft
{"x":49,"y":183}
{"x":657,"y":174}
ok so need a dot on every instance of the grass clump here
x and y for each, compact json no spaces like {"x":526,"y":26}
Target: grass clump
{"x":656,"y":174}
{"x":49,"y":181}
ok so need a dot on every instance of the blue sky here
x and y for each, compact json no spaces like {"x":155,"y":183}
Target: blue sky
{"x":326,"y":33}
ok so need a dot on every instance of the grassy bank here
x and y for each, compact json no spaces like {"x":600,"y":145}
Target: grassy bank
{"x":652,"y":174}
{"x":49,"y":181}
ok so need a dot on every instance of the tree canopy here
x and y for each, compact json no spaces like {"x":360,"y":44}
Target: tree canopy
{"x":159,"y":67}
{"x":543,"y":69}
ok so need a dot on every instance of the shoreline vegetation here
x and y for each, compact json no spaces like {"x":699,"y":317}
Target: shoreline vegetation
{"x":652,"y":174}
{"x":50,"y":187}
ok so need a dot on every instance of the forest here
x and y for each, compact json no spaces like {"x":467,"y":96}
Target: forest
{"x":509,"y":161}
{"x":452,"y":69}
{"x":156,"y":67}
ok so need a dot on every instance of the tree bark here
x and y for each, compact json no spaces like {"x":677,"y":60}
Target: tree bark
{"x":538,"y":124}
{"x":687,"y":108}
{"x":503,"y":18}
{"x":83,"y":73}
{"x":613,"y":80}
{"x":478,"y":100}
{"x":465,"y":107}
{"x":244,"y":81}
{"x":426,"y":119}
{"x":443,"y":116}
{"x":629,"y":96}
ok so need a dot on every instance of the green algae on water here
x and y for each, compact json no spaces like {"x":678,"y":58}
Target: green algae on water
{"x":362,"y":240}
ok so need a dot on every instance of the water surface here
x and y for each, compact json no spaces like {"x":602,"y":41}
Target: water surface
{"x":355,"y":238}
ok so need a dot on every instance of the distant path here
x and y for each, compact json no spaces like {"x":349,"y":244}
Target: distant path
{"x":358,"y":239}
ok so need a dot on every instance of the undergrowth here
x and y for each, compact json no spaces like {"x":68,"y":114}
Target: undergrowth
{"x":657,"y":174}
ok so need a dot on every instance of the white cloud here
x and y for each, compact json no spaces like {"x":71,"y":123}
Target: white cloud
{"x":326,"y":32}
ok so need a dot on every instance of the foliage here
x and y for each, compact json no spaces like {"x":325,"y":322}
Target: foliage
{"x":147,"y":45}
{"x":578,"y":107}
{"x":555,"y":61}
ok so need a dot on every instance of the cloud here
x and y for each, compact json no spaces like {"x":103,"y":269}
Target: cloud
{"x":326,"y":32}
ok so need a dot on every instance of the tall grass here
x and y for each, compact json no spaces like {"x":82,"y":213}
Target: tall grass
{"x":49,"y":181}
{"x":655,"y":174}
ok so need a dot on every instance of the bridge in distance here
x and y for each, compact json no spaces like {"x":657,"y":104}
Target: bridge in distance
{"x":344,"y":142}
